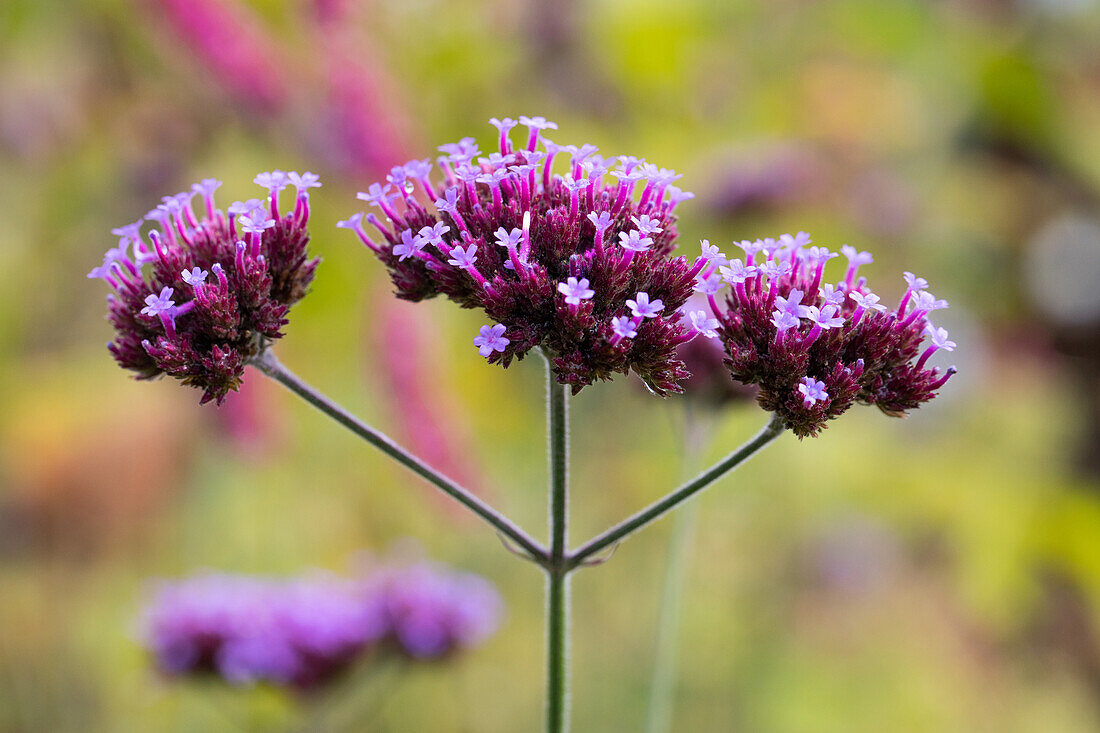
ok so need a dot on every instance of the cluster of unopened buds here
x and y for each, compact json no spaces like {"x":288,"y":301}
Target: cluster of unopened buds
{"x":218,"y":285}
{"x":302,"y":632}
{"x":574,"y":264}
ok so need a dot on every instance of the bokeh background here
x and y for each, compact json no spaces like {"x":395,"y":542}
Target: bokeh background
{"x":940,"y":573}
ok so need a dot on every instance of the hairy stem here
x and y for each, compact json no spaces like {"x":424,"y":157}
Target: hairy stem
{"x":267,"y":363}
{"x":557,"y":580}
{"x":659,"y":508}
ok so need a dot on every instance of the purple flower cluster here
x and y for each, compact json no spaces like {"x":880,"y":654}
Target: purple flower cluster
{"x":301,"y":632}
{"x":217,"y":287}
{"x":815,"y":348}
{"x":576,"y":263}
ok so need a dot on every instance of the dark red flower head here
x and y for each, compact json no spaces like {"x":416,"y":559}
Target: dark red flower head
{"x":215,"y":288}
{"x":577,"y":263}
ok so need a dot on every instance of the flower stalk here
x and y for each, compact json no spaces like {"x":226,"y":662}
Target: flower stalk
{"x":557,"y":572}
{"x":270,"y":365}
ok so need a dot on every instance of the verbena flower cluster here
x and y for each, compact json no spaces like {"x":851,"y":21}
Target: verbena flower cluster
{"x":302,"y":632}
{"x":815,"y":348}
{"x":576,"y":263}
{"x":217,"y":286}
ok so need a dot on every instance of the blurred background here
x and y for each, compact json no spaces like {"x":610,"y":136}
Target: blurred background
{"x":940,"y":573}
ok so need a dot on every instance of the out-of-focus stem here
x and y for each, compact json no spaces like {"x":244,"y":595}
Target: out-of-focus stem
{"x":665,"y":663}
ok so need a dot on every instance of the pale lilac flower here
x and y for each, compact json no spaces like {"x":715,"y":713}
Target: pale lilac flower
{"x":915,"y":283}
{"x":938,"y":336}
{"x":633,"y":241}
{"x":832,"y":295}
{"x":709,"y":285}
{"x":304,"y":181}
{"x":463,"y":257}
{"x":601,"y":222}
{"x":737,"y":272}
{"x":784,"y":320}
{"x":925,"y":301}
{"x":508,"y":239}
{"x":704,"y":324}
{"x":490,"y":339}
{"x":825,"y":317}
{"x":273,"y":181}
{"x":575,"y":290}
{"x":194,"y":277}
{"x":870,"y":301}
{"x":711,"y":254}
{"x":409,"y":245}
{"x":641,"y":306}
{"x":813,"y":391}
{"x":792,"y":304}
{"x":647,"y":225}
{"x":157,"y":304}
{"x":623,"y":327}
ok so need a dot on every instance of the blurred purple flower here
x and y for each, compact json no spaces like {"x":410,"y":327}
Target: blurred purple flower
{"x":302,"y":632}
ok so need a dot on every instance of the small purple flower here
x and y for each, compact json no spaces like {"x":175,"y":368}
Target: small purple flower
{"x":832,"y":295}
{"x":377,"y":195}
{"x":623,"y":327}
{"x":712,"y":255}
{"x":704,"y":324}
{"x":792,"y":304}
{"x":130,"y":232}
{"x":633,"y":241}
{"x":825,"y":317}
{"x":784,"y":320}
{"x":537,"y":123}
{"x":490,"y":339}
{"x":868,"y":301}
{"x":507,"y":238}
{"x":709,"y":285}
{"x":925,"y":301}
{"x":157,"y":304}
{"x":273,"y":181}
{"x":641,"y":306}
{"x":812,"y":391}
{"x":409,"y":245}
{"x":255,"y":222}
{"x":575,"y":290}
{"x":463,"y":258}
{"x":601,"y":221}
{"x":448,"y":202}
{"x":647,"y":225}
{"x":304,"y":181}
{"x":737,"y":272}
{"x":915,"y":283}
{"x":855,"y":257}
{"x":939,"y":338}
{"x":774,"y":270}
{"x":194,"y":277}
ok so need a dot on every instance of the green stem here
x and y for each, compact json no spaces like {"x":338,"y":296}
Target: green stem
{"x":557,"y":580}
{"x":267,"y":363}
{"x":665,"y":663}
{"x":659,"y":508}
